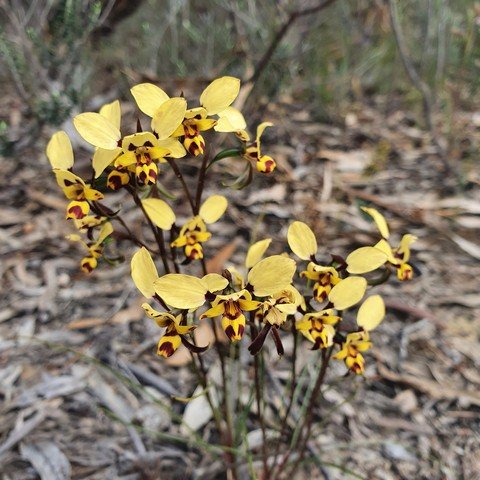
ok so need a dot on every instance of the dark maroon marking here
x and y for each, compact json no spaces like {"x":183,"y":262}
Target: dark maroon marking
{"x":68,"y":183}
{"x":257,"y":344}
{"x":142,"y":177}
{"x":148,"y":143}
{"x":86,"y":266}
{"x":167,"y":348}
{"x":193,"y":348}
{"x":132,"y":147}
{"x":278,"y":341}
{"x":115,"y":182}
{"x":269,"y":164}
{"x":241,"y":330}
{"x":230,"y":332}
{"x":76,"y":211}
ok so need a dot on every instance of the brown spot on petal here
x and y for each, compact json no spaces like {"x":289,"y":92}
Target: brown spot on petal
{"x":166,"y":349}
{"x":75,"y":212}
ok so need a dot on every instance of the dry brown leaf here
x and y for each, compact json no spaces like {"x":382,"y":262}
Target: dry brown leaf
{"x":86,"y":323}
{"x":217,"y":263}
{"x":430,"y":387}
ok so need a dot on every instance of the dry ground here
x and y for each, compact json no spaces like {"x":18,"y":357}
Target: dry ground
{"x":84,"y":396}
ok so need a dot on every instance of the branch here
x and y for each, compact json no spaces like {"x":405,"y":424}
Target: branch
{"x":267,"y":56}
{"x":427,"y":96}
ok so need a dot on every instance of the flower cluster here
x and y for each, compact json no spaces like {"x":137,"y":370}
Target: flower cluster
{"x":259,"y":301}
{"x":133,"y":161}
{"x":265,"y":298}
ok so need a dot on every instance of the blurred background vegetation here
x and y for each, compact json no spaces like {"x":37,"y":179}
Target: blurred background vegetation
{"x":58,"y":55}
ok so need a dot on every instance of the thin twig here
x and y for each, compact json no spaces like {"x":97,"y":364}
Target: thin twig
{"x":291,"y":19}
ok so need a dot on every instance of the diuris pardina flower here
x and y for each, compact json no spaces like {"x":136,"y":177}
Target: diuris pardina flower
{"x":195,"y":232}
{"x":94,"y":248}
{"x":231,"y":308}
{"x":174,"y":333}
{"x":79,"y":192}
{"x":366,"y":259}
{"x":319,"y":327}
{"x":273,"y":312}
{"x":60,"y":156}
{"x":267,"y":277}
{"x":354,"y":344}
{"x":137,"y":152}
{"x":341,"y":292}
{"x":252,"y":151}
{"x":370,"y":314}
{"x":216,"y":100}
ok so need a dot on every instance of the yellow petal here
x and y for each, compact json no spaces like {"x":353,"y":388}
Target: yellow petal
{"x":159,"y":212}
{"x":66,"y":178}
{"x":59,"y":151}
{"x":261,"y":128}
{"x":144,"y":272}
{"x":176,"y":149}
{"x":169,"y":116}
{"x":302,"y":240}
{"x":231,"y":120}
{"x":405,"y":243}
{"x":107,"y":229}
{"x":213,"y":208}
{"x":256,"y":252}
{"x":215,"y":282}
{"x":271,"y":275}
{"x":220,"y":94}
{"x":97,"y":130}
{"x":371,"y":312}
{"x":365,"y":259}
{"x":348,"y":292}
{"x":113,"y":113}
{"x":181,"y":291}
{"x":149,"y":97}
{"x":385,"y":247}
{"x":103,"y":158}
{"x":380,"y":221}
{"x":138,"y":140}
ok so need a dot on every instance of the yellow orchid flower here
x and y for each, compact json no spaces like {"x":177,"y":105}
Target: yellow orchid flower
{"x":267,"y":278}
{"x":78,"y":191}
{"x":140,"y":152}
{"x":252,"y":151}
{"x":325,"y":279}
{"x":231,"y":308}
{"x":216,"y":99}
{"x":354,"y":344}
{"x":397,"y":257}
{"x":273,"y":312}
{"x":318,"y":328}
{"x":174,"y":333}
{"x":137,"y":152}
{"x":276,"y":308}
{"x":94,"y":249}
{"x":195,"y":232}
